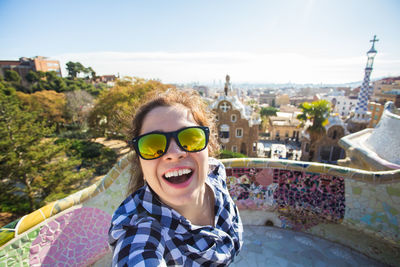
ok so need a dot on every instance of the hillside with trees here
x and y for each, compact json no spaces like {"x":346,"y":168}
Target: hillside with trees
{"x":48,"y":131}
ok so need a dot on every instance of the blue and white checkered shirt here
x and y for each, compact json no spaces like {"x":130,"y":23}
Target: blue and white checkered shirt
{"x":146,"y":232}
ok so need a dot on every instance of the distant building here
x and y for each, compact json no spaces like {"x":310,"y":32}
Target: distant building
{"x":385,"y":85}
{"x":24,"y":65}
{"x":393,"y":96}
{"x":341,"y":104}
{"x":326,"y":148}
{"x":237,"y":125}
{"x":267,"y":97}
{"x":203,"y":90}
{"x":344,"y":105}
{"x":107,"y":79}
{"x":296,"y":101}
{"x":284,"y":126}
{"x":289,"y":108}
{"x":282,"y":100}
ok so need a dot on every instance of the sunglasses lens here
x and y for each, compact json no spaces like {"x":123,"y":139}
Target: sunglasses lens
{"x":152,"y":145}
{"x":192,"y":139}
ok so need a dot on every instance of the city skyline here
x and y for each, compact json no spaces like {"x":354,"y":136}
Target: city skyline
{"x":301,"y":41}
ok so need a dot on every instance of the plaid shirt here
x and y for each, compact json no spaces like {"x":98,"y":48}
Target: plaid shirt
{"x":146,"y":232}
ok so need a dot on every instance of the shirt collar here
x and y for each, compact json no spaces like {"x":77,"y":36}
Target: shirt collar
{"x":167,"y":216}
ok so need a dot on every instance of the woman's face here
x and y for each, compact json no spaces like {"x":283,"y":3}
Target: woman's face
{"x":185,"y":189}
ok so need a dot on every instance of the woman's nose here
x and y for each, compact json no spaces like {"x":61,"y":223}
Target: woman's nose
{"x":174,"y":151}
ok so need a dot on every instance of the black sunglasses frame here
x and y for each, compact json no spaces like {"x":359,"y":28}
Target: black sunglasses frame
{"x":168,"y":136}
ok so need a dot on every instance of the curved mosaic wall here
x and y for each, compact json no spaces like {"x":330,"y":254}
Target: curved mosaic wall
{"x":300,"y":195}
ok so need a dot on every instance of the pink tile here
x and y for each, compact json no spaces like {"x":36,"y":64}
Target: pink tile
{"x":34,"y":260}
{"x":34,"y":249}
{"x":80,"y":235}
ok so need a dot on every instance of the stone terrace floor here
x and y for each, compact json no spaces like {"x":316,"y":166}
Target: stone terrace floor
{"x":270,"y":246}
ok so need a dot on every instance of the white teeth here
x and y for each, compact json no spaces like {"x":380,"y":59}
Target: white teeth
{"x":177,"y":173}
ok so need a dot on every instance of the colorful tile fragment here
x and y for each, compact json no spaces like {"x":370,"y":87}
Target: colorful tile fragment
{"x":77,"y":238}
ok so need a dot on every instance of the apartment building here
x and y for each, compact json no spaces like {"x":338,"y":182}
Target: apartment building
{"x":24,"y":65}
{"x":284,"y":126}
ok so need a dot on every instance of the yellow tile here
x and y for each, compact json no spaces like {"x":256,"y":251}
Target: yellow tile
{"x":29,"y":221}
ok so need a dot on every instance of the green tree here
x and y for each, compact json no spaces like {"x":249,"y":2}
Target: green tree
{"x":80,"y":84}
{"x":74,"y":68}
{"x":265,"y":113}
{"x":48,"y":104}
{"x":55,"y":82}
{"x":113,"y":106}
{"x":89,"y":73}
{"x":46,"y":81}
{"x":317,"y":113}
{"x":32,"y":77}
{"x":273,"y":104}
{"x":33,"y":168}
{"x":227,"y":154}
{"x":268,"y":111}
{"x":12,"y":76}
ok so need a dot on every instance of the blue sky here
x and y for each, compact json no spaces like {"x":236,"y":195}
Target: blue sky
{"x":301,"y":41}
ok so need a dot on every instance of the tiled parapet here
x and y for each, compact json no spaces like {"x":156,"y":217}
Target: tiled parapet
{"x":71,"y":231}
{"x":298,"y":195}
{"x":374,"y":208}
{"x":303,"y":195}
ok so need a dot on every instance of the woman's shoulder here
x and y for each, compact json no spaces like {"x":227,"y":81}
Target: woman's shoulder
{"x":131,"y":212}
{"x":216,"y":167}
{"x":217,"y":173}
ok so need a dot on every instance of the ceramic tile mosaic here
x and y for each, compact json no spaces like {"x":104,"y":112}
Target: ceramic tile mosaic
{"x":375,"y":207}
{"x":298,"y":195}
{"x":304,"y":199}
{"x":76,"y":238}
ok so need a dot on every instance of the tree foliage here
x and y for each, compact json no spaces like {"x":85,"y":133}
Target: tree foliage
{"x":75,"y":68}
{"x":12,"y":76}
{"x":95,"y":156}
{"x":265,"y":113}
{"x":79,"y":104}
{"x":268,"y":111}
{"x":227,"y":154}
{"x":49,"y":105}
{"x":113,"y":106}
{"x":317,"y":113}
{"x":40,"y":81}
{"x":33,"y":168}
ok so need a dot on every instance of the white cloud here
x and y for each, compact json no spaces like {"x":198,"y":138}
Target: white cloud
{"x":241,"y":66}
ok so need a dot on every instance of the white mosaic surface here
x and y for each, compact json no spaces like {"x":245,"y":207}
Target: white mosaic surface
{"x":385,"y":140}
{"x":374,"y":207}
{"x":110,"y":199}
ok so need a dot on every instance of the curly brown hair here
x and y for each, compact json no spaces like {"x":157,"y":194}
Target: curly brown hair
{"x":172,"y":97}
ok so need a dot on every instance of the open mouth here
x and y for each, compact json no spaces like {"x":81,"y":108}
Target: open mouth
{"x":178,"y":176}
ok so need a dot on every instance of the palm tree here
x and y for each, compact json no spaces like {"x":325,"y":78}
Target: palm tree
{"x":317,"y":113}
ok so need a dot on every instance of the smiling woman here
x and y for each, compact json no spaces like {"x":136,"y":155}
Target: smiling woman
{"x":178,"y":211}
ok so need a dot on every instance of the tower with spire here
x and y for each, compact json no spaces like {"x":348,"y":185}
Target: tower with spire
{"x":360,"y":117}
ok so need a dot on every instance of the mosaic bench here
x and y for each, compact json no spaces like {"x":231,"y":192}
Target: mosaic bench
{"x":356,"y":208}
